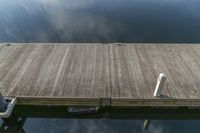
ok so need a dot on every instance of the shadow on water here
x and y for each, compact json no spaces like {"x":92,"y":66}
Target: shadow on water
{"x":54,"y":125}
{"x":57,"y":120}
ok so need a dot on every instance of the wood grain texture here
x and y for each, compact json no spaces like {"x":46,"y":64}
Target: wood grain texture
{"x":99,"y":70}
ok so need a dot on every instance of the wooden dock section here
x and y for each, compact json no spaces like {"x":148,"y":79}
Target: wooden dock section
{"x":62,"y":73}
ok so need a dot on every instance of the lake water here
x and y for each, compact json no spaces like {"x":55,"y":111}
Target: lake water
{"x":171,"y":21}
{"x":100,"y":21}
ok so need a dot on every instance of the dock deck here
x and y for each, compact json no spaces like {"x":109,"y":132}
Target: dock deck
{"x":130,"y":71}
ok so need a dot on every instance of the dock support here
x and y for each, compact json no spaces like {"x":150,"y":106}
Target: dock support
{"x":6,"y":104}
{"x":6,"y":107}
{"x":159,"y":86}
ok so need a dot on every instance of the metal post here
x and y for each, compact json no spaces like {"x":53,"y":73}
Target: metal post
{"x":157,"y":92}
{"x":160,"y":83}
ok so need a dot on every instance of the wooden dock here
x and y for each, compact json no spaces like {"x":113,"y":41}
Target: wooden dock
{"x":80,"y":74}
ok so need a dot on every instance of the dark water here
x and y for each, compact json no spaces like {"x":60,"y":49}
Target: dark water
{"x":172,"y":21}
{"x":44,"y":125}
{"x":100,"y":21}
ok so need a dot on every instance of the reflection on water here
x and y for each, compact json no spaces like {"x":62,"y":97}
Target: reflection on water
{"x":114,"y":126}
{"x":96,"y":126}
{"x":42,"y":125}
{"x":100,"y":21}
{"x":111,"y":126}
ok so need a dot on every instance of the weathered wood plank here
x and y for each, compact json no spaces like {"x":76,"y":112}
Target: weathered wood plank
{"x":148,"y":72}
{"x":178,"y":71}
{"x":115,"y":102}
{"x":99,"y":70}
{"x":159,"y":66}
{"x":135,"y":72}
{"x":191,"y":61}
{"x":13,"y":71}
{"x":47,"y":78}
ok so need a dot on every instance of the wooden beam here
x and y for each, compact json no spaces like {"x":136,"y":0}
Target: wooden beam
{"x":58,"y":101}
{"x":115,"y":102}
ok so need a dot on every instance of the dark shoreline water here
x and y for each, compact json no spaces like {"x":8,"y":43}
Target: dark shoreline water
{"x":170,"y":21}
{"x":55,"y":125}
{"x":166,"y":21}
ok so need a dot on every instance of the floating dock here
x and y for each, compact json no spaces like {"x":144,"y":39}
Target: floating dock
{"x":82,"y":74}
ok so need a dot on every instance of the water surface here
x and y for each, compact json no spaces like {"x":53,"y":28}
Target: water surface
{"x":100,"y":21}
